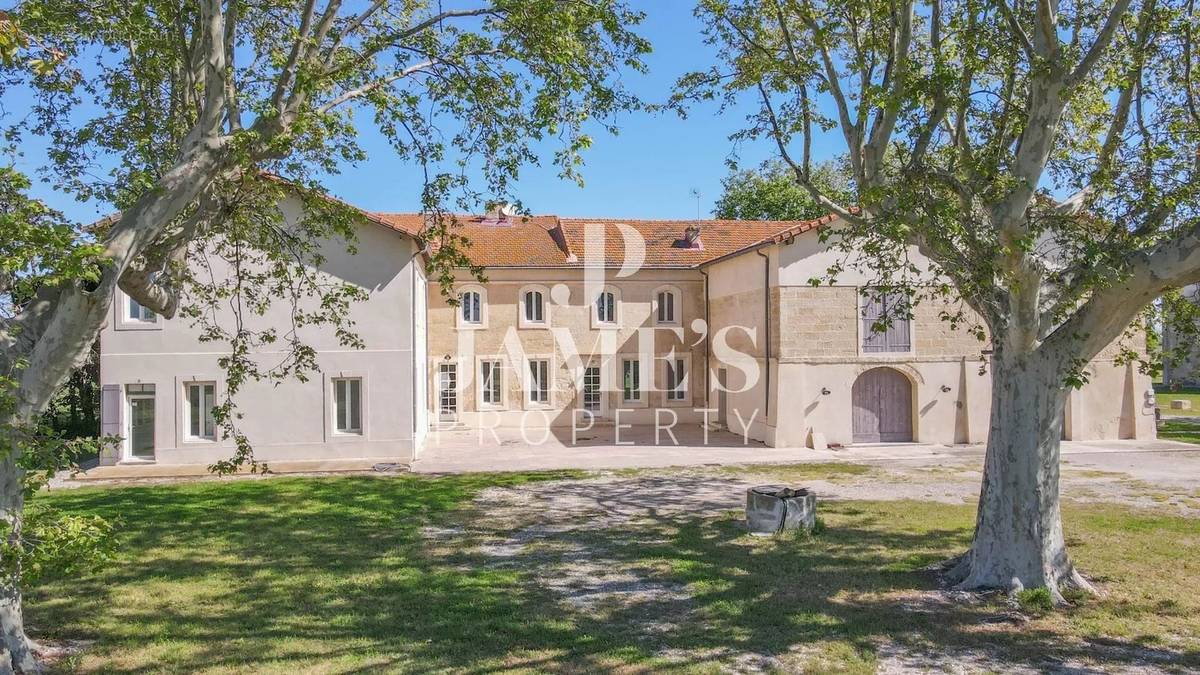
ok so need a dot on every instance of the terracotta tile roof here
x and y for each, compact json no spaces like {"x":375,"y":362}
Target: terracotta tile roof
{"x":545,"y":241}
{"x":409,"y":223}
{"x":523,"y":241}
{"x":664,"y":246}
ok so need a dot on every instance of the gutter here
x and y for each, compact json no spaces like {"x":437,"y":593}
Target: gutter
{"x":767,"y":342}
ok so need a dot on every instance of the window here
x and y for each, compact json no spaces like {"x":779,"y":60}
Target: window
{"x":667,"y":306}
{"x":347,"y":399}
{"x":470,"y":304}
{"x":539,"y":381}
{"x":631,"y":381}
{"x":892,"y":308}
{"x":676,"y":380}
{"x":606,"y":307}
{"x":200,"y":423}
{"x":534,"y":307}
{"x":447,"y":387}
{"x":491,"y":383}
{"x":591,"y":389}
{"x":136,"y":312}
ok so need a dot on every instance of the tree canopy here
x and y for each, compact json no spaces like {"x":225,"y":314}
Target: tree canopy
{"x":181,"y":116}
{"x":771,"y":192}
{"x":1041,"y":154}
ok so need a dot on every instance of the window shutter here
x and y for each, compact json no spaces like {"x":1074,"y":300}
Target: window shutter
{"x":898,"y":334}
{"x":872,"y":312}
{"x":110,"y":410}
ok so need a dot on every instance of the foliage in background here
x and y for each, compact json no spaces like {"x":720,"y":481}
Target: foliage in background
{"x":771,"y":192}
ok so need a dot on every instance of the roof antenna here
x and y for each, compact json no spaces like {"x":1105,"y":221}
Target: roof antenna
{"x":696,"y":194}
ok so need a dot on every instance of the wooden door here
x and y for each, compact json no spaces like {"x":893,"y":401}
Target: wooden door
{"x":882,"y":401}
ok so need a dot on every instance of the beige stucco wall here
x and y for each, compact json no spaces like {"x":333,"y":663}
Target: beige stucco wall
{"x":570,"y":339}
{"x":815,"y":358}
{"x":291,"y":419}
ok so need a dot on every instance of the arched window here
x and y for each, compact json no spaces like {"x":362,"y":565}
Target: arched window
{"x":471,"y":307}
{"x":606,"y":307}
{"x":667,"y":308}
{"x":534,"y":307}
{"x":534,"y":310}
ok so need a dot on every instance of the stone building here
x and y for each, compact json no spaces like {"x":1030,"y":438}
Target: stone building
{"x":584,"y":322}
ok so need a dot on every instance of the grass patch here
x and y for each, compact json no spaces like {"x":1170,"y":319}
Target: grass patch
{"x":797,"y":473}
{"x":1187,"y":432}
{"x":1035,"y":601}
{"x":334,"y":575}
{"x":1164,"y":397}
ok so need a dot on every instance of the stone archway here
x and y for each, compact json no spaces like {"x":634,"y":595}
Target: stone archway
{"x":882,"y":407}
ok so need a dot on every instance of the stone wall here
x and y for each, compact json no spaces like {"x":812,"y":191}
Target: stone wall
{"x":823,"y":323}
{"x":571,"y":338}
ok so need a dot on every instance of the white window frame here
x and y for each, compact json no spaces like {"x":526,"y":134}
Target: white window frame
{"x":123,"y":320}
{"x":364,"y":400}
{"x":460,"y":322}
{"x":188,"y":387}
{"x":676,"y":306}
{"x":527,"y":378}
{"x":481,"y":386}
{"x":626,"y":402}
{"x":861,"y":295}
{"x":616,"y":309}
{"x":667,"y":361}
{"x":522,"y":321}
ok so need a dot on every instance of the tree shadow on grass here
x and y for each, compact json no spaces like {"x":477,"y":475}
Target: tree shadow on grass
{"x":336,"y":574}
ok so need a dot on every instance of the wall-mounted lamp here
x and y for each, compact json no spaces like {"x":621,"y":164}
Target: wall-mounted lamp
{"x":945,"y":389}
{"x":825,"y":391}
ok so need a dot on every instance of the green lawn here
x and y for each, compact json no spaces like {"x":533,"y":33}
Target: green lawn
{"x":1164,"y":397}
{"x":1175,"y":430}
{"x":334,"y":575}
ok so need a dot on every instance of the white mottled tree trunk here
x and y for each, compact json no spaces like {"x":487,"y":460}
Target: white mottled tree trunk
{"x":61,"y":328}
{"x":16,"y":650}
{"x":1018,"y":531}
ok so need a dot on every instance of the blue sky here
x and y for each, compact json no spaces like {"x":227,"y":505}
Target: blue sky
{"x":648,"y":171}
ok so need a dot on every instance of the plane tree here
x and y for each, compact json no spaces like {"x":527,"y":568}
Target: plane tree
{"x":1041,"y":153}
{"x":173,"y":116}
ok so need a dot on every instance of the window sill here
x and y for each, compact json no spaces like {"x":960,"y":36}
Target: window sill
{"x":192,"y":440}
{"x":533,"y":326}
{"x":138,"y":325}
{"x":598,"y":325}
{"x":470,"y":326}
{"x":633,"y":404}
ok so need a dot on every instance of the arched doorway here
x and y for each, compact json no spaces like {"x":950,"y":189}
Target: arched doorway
{"x":882,"y":402}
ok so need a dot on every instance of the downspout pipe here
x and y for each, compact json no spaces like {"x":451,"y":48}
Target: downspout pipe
{"x":767,"y":327}
{"x":707,"y":342}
